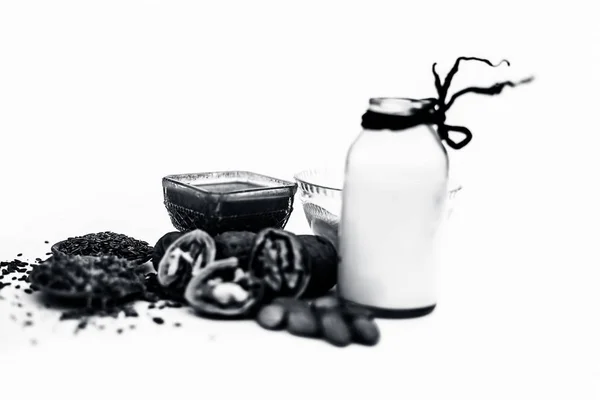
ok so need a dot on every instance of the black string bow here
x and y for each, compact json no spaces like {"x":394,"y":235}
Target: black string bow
{"x":433,"y":110}
{"x":441,"y":106}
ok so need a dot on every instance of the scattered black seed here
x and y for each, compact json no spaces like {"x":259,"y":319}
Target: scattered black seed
{"x":27,"y":323}
{"x":29,"y":314}
{"x":28,"y":291}
{"x":19,"y":255}
{"x":151,"y":306}
{"x":177,"y":324}
{"x":18,"y":287}
{"x":48,"y":254}
{"x":119,"y":331}
{"x":158,"y":320}
{"x":132,"y":327}
{"x":14,"y":278}
{"x":81,"y":325}
{"x":19,"y":305}
{"x":45,"y":241}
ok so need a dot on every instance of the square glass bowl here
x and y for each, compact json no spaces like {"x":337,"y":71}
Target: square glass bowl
{"x":223,"y":201}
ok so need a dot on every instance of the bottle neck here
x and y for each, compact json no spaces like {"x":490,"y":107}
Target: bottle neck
{"x":397,"y":114}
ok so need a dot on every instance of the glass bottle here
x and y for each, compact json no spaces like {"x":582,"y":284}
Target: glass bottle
{"x":395,"y":189}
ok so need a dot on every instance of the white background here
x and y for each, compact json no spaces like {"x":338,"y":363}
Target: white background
{"x":100,"y":99}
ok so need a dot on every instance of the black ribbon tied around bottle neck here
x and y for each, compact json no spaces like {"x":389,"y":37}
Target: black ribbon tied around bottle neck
{"x":432,"y":111}
{"x":372,"y":120}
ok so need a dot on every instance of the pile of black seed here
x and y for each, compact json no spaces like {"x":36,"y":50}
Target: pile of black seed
{"x":17,"y":274}
{"x":151,"y":293}
{"x":106,"y":277}
{"x":107,"y":243}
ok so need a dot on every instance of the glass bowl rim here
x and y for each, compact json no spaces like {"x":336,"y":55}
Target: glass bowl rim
{"x":305,"y":182}
{"x":175,"y":179}
{"x":454,"y":187}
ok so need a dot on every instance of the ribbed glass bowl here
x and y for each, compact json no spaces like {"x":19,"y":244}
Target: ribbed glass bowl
{"x":223,"y":201}
{"x":321,"y":197}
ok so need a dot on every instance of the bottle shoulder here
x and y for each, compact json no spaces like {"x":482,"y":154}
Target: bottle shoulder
{"x":421,"y":142}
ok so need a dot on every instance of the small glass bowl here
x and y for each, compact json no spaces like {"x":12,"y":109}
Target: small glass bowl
{"x":217,"y":202}
{"x":321,"y":198}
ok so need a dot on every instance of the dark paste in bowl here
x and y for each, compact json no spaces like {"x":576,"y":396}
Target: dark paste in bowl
{"x":217,"y":202}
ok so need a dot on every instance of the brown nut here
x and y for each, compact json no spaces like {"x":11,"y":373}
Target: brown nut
{"x":279,"y":259}
{"x":184,"y":257}
{"x":219,"y":291}
{"x":335,"y":328}
{"x":272,"y":317}
{"x":235,"y":244}
{"x":323,"y":258}
{"x":289,"y":302}
{"x":354,"y":311}
{"x":326,"y":303}
{"x":161,"y":246}
{"x":301,"y":321}
{"x":365,"y":331}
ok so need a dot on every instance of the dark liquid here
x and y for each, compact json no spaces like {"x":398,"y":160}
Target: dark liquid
{"x":219,"y":205}
{"x":225,"y":187}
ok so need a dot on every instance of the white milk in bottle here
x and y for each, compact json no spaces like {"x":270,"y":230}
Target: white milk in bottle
{"x":394,"y":197}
